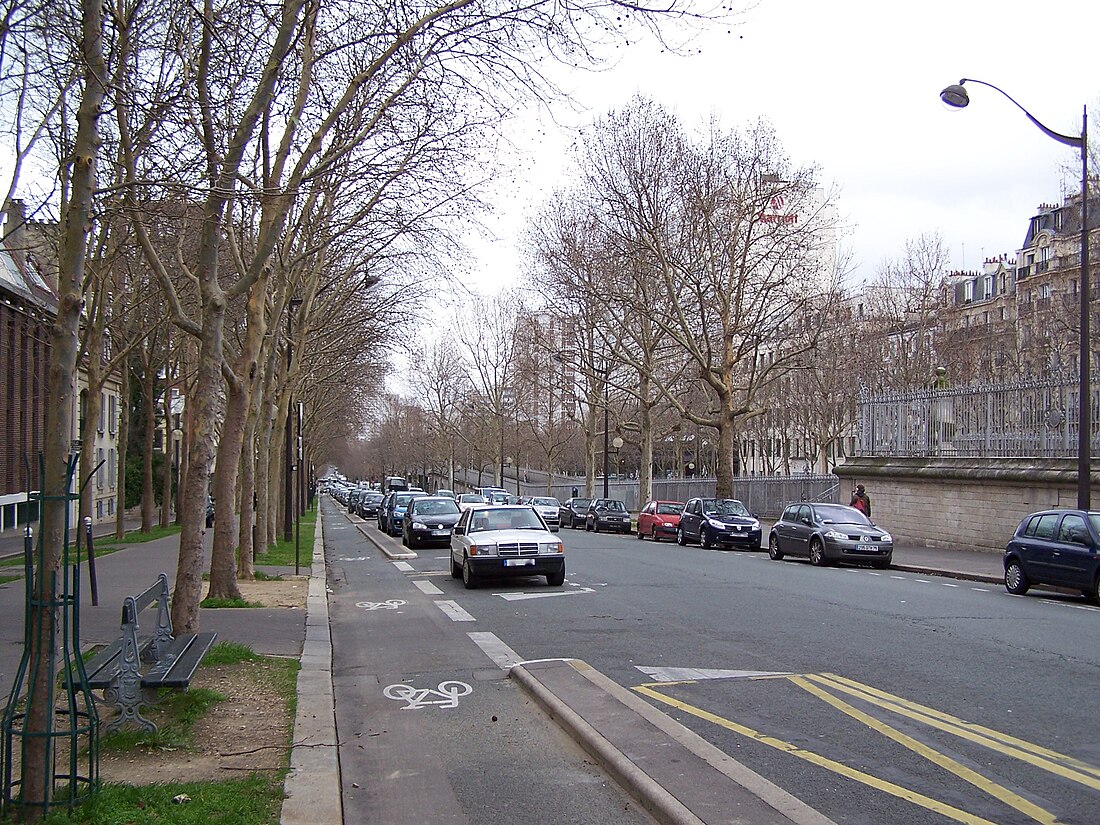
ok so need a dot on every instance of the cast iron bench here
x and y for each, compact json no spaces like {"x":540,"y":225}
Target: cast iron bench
{"x":169,"y":661}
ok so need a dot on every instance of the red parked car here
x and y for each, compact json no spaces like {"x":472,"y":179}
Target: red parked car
{"x":659,"y":519}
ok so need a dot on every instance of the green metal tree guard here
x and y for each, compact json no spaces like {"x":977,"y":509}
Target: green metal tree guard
{"x":72,"y":749}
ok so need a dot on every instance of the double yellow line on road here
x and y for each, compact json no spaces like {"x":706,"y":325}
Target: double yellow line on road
{"x":826,"y":686}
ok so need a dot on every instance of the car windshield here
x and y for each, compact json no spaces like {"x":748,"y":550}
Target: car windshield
{"x":724,"y":507}
{"x":669,"y":509}
{"x":402,"y":499}
{"x":581,"y":503}
{"x":472,"y":498}
{"x":545,"y":502}
{"x":839,"y":514}
{"x":613,"y":505}
{"x":505,"y":518}
{"x":435,"y":506}
{"x":1094,"y":520}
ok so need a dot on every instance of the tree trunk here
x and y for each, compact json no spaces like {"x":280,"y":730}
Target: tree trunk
{"x":246,"y":551}
{"x":36,"y":786}
{"x":149,"y":391}
{"x":223,"y":566}
{"x":202,"y":448}
{"x":123,"y":439}
{"x":92,"y":413}
{"x":726,"y":448}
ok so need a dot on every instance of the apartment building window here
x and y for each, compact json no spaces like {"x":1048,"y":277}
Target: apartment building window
{"x":99,"y":473}
{"x":112,"y":416}
{"x":110,"y":506}
{"x":1004,"y":283}
{"x":102,"y":410}
{"x":988,"y":286}
{"x":1073,"y":286}
{"x":99,"y":511}
{"x":112,"y":468}
{"x":968,"y":291}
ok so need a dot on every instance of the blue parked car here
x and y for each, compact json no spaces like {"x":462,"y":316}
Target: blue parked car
{"x":1059,"y":547}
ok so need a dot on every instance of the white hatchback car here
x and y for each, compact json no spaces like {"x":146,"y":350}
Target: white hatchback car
{"x":505,"y":540}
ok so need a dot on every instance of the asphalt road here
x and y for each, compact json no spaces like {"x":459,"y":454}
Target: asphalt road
{"x":430,"y":727}
{"x":873,"y":696}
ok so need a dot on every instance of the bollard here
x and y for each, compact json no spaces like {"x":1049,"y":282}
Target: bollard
{"x":91,"y":560}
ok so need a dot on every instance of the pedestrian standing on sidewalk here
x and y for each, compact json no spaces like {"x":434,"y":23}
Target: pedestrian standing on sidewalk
{"x":861,"y":501}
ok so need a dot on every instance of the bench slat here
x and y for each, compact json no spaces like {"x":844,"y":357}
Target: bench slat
{"x":180,"y":662}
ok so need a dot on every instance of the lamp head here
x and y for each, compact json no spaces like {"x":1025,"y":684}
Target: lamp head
{"x":955,"y":96}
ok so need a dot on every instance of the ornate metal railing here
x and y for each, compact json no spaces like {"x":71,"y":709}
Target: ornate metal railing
{"x":1034,"y":418}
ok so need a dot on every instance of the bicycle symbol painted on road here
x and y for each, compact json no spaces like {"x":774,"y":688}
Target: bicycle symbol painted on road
{"x":446,"y":695}
{"x":389,"y":604}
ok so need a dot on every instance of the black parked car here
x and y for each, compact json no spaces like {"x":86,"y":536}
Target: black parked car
{"x":829,"y":532}
{"x":429,"y":520}
{"x":383,"y":512}
{"x":395,"y":507}
{"x":573,"y":512}
{"x":367,"y":506}
{"x":714,"y":522}
{"x":1059,"y":547}
{"x":607,"y":514}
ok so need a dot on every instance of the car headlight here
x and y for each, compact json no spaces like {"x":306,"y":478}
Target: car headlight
{"x":886,"y":537}
{"x":755,"y":525}
{"x":836,"y":535}
{"x":716,"y":524}
{"x":483,"y":550}
{"x":552,"y":547}
{"x":419,"y":526}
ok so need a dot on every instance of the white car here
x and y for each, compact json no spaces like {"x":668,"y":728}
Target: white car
{"x":505,"y":540}
{"x":468,"y":500}
{"x":547,"y":507}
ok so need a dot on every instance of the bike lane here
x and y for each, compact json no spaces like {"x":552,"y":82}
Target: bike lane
{"x":429,"y":728}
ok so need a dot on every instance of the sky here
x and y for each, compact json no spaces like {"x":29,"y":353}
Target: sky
{"x":853,"y":87}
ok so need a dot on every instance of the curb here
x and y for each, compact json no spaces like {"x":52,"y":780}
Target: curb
{"x":948,"y":574}
{"x":616,"y":712}
{"x":312,"y":794}
{"x":361,"y":526}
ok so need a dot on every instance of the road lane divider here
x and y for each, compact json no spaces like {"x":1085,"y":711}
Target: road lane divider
{"x":454,"y":612}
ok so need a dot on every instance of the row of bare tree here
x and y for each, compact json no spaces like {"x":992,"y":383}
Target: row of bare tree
{"x":223,"y":166}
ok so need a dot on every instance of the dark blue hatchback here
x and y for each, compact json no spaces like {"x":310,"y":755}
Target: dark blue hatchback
{"x":1059,"y":547}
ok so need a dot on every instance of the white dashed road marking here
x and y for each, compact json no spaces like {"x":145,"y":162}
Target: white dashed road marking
{"x":404,"y":566}
{"x":454,"y":612}
{"x":428,"y":588}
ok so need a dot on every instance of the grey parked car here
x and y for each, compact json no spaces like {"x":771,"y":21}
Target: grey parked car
{"x":827,"y":533}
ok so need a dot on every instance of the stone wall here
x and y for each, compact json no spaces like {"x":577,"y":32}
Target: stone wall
{"x":961,"y":502}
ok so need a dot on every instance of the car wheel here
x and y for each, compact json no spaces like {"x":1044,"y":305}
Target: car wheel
{"x":1016,"y":581}
{"x":456,"y":569}
{"x":1093,"y":593}
{"x":773,"y":548}
{"x":468,"y":579}
{"x":653,"y":535}
{"x":681,"y":539}
{"x":595,"y":526}
{"x":641,"y":535}
{"x":817,"y":553}
{"x":556,"y":579}
{"x":705,"y":539}
{"x":404,"y":540}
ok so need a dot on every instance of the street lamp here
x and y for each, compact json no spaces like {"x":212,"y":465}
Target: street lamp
{"x":956,"y":96}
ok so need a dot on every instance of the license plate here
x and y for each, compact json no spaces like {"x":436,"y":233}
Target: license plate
{"x":441,"y":532}
{"x":866,"y":548}
{"x":519,"y":562}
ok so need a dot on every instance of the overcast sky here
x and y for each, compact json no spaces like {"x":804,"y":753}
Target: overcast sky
{"x":853,"y":86}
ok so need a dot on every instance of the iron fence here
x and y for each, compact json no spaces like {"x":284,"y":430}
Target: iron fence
{"x":1035,"y":418}
{"x":766,"y":496}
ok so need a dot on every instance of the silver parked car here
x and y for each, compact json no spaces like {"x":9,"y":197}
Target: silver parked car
{"x":827,"y":533}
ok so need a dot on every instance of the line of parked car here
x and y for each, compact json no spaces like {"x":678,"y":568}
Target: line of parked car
{"x":1059,"y":547}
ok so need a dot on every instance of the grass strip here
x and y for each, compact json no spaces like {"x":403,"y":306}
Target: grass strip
{"x":214,"y":604}
{"x":281,"y":554}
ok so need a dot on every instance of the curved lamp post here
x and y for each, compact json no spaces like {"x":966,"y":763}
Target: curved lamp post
{"x":956,"y":96}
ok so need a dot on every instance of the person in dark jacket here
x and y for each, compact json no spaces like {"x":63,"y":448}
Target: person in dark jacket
{"x":861,"y":501}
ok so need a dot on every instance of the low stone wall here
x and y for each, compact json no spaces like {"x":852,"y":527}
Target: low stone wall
{"x":961,"y":502}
